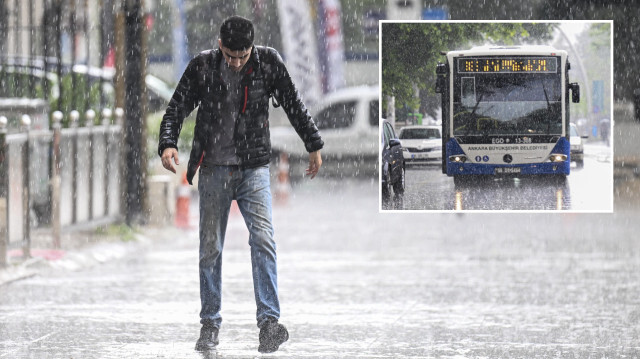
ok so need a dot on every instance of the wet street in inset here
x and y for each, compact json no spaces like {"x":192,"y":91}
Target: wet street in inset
{"x":587,"y":189}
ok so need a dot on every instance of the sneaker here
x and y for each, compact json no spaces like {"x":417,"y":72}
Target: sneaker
{"x":272,"y":334}
{"x":208,"y":338}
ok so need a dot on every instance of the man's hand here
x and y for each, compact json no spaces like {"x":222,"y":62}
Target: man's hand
{"x":167,"y":155}
{"x":315,"y":161}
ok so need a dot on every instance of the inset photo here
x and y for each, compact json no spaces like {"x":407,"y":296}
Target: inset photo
{"x":496,"y":116}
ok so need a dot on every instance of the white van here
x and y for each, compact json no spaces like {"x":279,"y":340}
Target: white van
{"x":348,"y":123}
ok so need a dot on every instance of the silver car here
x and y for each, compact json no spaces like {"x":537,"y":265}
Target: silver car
{"x":421,"y":144}
{"x":577,"y":148}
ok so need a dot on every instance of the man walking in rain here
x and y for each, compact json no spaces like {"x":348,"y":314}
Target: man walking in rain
{"x":231,"y":86}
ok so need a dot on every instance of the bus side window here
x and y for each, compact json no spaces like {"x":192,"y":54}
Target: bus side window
{"x":468,"y":91}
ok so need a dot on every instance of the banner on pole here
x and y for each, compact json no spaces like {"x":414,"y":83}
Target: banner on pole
{"x":300,"y":48}
{"x":333,"y":47}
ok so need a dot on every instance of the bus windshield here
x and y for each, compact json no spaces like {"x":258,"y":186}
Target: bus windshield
{"x":507,"y":104}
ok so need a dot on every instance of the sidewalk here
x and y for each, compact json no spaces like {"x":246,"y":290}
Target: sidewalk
{"x":80,"y":249}
{"x":598,"y":150}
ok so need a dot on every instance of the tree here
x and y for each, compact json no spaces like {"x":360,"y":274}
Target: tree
{"x":593,"y":47}
{"x":625,"y":35}
{"x":411,"y":51}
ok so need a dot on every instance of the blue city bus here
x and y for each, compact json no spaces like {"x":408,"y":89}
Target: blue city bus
{"x":505,"y":111}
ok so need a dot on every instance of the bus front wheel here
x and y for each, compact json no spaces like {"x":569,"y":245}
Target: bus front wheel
{"x":559,"y":179}
{"x":460,"y":180}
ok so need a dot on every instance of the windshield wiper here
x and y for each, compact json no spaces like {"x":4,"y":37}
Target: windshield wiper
{"x":472,"y":114}
{"x":548,"y":117}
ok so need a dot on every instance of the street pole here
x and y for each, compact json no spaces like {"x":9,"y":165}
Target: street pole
{"x":391,"y":110}
{"x":135,"y":138}
{"x":26,"y":196}
{"x":56,"y":180}
{"x":583,"y":75}
{"x":4,"y":180}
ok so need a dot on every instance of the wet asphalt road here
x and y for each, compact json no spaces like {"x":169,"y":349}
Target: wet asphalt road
{"x":356,"y":283}
{"x":587,"y":189}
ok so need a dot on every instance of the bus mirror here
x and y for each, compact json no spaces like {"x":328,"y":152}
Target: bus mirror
{"x":441,"y":69}
{"x":440,"y":84}
{"x":575,"y":92}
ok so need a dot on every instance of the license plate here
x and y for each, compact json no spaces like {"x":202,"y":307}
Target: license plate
{"x":507,"y":170}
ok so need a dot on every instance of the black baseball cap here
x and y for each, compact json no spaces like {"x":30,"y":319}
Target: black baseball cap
{"x":236,"y":33}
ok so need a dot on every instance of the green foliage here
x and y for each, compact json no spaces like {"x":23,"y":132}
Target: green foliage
{"x":74,"y":97}
{"x":593,"y":46}
{"x":20,"y":84}
{"x":118,"y":231}
{"x":624,"y":14}
{"x":153,"y":134}
{"x":600,"y":34}
{"x":411,"y":51}
{"x":74,"y":94}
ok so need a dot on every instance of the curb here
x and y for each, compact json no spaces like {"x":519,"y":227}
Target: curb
{"x":74,"y":260}
{"x":18,"y":272}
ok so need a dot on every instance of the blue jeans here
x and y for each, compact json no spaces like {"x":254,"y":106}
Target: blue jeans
{"x":218,"y":186}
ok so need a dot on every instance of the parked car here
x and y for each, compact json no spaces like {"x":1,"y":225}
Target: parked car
{"x":348,"y":122}
{"x":421,"y":144}
{"x":392,"y":167}
{"x":577,"y":147}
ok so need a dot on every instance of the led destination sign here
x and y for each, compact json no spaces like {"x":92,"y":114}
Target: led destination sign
{"x":508,"y":65}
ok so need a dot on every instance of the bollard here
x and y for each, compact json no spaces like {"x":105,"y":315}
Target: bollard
{"x":119,"y":112}
{"x":182,"y":203}
{"x":106,"y":116}
{"x":90,"y":117}
{"x":26,"y":199}
{"x":4,"y":179}
{"x":283,"y":186}
{"x":160,"y":198}
{"x":56,"y":181}
{"x":74,"y":116}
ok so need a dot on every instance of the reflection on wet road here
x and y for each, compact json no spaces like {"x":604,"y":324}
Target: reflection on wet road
{"x":588,"y":189}
{"x":533,"y":193}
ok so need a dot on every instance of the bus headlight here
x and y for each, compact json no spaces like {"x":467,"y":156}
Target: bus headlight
{"x":557,"y":157}
{"x":458,"y":158}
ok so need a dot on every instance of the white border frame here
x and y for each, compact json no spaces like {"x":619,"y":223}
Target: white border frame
{"x":611,"y":169}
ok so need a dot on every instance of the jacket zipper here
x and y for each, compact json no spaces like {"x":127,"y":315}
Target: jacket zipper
{"x":244,"y":107}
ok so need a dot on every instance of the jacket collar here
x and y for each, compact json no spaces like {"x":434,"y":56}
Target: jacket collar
{"x":249,"y":68}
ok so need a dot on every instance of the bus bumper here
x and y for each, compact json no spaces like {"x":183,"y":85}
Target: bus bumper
{"x":541,"y":168}
{"x":551,"y":168}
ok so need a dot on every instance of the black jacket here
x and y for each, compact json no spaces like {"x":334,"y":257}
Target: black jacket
{"x":265,"y":75}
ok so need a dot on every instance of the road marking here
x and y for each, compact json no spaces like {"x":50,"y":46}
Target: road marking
{"x":406,"y":310}
{"x":29,"y":343}
{"x":42,"y":338}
